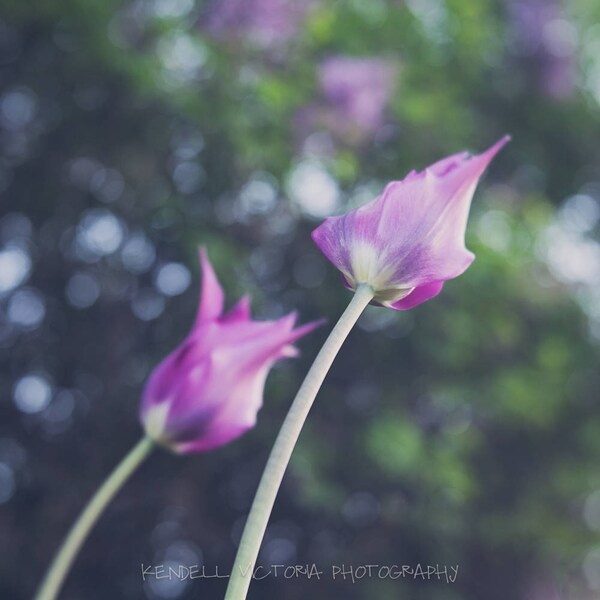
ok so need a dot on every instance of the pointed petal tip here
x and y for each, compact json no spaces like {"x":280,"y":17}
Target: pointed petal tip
{"x":289,"y":320}
{"x":478,"y":163}
{"x":240,"y":312}
{"x":203,"y":259}
{"x":244,"y":303}
{"x":212,"y":297}
{"x":495,"y":148}
{"x":308,"y":327}
{"x":290,"y":351}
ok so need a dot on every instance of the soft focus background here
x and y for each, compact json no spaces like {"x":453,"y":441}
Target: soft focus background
{"x":466,"y":431}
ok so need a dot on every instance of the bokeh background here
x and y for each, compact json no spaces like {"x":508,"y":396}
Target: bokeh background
{"x":464,"y":432}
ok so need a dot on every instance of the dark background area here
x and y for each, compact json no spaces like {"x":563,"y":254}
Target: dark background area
{"x":464,"y":432}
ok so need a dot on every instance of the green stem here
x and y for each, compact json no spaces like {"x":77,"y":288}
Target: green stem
{"x":68,"y":551}
{"x":284,"y":446}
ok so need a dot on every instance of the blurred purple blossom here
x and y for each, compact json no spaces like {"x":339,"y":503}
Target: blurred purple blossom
{"x":358,"y":90}
{"x":264,"y":22}
{"x":546,"y":35}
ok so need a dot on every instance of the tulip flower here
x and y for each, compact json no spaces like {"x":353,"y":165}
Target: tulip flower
{"x":408,"y":241}
{"x":397,"y":251}
{"x":208,"y":391}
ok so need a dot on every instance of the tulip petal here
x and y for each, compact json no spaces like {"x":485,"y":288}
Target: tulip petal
{"x":270,"y":342}
{"x":233,"y":418}
{"x":301,"y":331}
{"x":443,"y":166}
{"x":290,"y":351}
{"x":418,"y":295}
{"x":212,"y":298}
{"x":240,"y":312}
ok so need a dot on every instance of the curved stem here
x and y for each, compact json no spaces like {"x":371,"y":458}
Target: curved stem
{"x":284,"y":446}
{"x":79,"y":531}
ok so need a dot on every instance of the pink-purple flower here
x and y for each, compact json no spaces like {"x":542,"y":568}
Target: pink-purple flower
{"x":547,"y":39}
{"x":265,"y":22}
{"x":411,"y":239}
{"x":208,"y":391}
{"x":357,"y":90}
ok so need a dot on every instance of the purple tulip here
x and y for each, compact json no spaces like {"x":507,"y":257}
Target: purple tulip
{"x":407,"y":242}
{"x":208,"y":391}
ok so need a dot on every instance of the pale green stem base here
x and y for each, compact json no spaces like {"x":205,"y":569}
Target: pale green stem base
{"x":64,"y":559}
{"x":284,"y":446}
